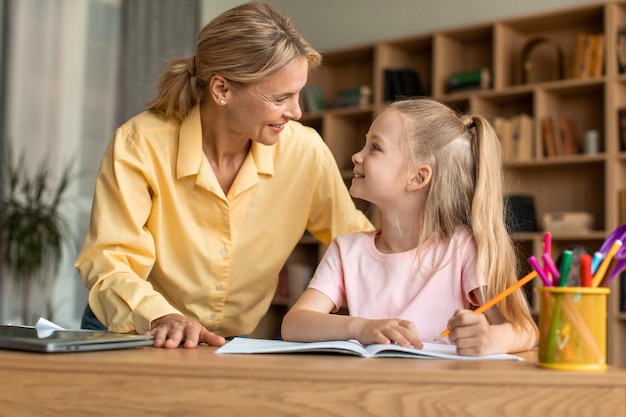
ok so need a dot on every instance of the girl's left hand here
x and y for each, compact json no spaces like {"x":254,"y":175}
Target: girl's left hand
{"x":470,"y":332}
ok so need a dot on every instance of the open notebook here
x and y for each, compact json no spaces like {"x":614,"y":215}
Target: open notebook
{"x":55,"y":340}
{"x":430,"y":350}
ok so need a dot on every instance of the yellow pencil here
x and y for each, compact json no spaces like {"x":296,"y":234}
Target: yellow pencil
{"x":495,"y":300}
{"x":599,"y":275}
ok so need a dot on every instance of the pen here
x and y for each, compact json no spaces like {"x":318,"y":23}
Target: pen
{"x":595,"y":262}
{"x":599,"y":275}
{"x":547,"y":250}
{"x":566,"y":261}
{"x":535,"y":264}
{"x":548,"y":264}
{"x":586,"y":279}
{"x":495,"y":300}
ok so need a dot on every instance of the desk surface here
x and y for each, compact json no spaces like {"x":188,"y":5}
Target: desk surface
{"x":196,"y":382}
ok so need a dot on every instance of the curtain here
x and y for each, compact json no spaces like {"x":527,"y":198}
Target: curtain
{"x":4,"y":43}
{"x":71,"y":71}
{"x":152,"y":33}
{"x":59,"y":91}
{"x":4,"y":30}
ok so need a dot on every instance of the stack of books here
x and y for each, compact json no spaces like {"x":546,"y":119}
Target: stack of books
{"x":559,"y":136}
{"x":589,"y":56}
{"x":469,"y":80}
{"x":401,"y":83}
{"x":517,"y":137}
{"x":354,"y":97}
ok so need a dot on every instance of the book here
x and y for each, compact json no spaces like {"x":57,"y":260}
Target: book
{"x":597,"y":55}
{"x":314,"y":99}
{"x":353,"y":97}
{"x":621,"y":124}
{"x":620,"y":50}
{"x":401,"y":83}
{"x":559,"y":136}
{"x":585,"y":70}
{"x":516,"y":135}
{"x":468,"y":80}
{"x":583,"y":55}
{"x":577,"y":67}
{"x":503,"y":127}
{"x":622,"y":205}
{"x":559,"y":139}
{"x":523,"y":128}
{"x":567,"y":131}
{"x":521,"y":216}
{"x":243,"y":345}
{"x":549,"y":141}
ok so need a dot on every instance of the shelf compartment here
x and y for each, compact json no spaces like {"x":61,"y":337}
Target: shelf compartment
{"x":345,"y":135}
{"x":342,"y":70}
{"x":466,"y":49}
{"x":314,"y":120}
{"x":562,"y":187}
{"x":560,"y":30}
{"x":619,"y":96}
{"x":413,"y":53}
{"x":504,"y":104}
{"x":583,"y":102}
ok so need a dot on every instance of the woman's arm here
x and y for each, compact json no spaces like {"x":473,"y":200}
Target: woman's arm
{"x":119,"y":251}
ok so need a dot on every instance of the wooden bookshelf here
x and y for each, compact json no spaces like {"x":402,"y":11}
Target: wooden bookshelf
{"x":579,"y":182}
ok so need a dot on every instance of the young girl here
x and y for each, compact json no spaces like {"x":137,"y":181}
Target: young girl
{"x":441,"y":247}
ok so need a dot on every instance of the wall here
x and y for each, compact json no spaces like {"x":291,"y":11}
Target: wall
{"x":335,"y":24}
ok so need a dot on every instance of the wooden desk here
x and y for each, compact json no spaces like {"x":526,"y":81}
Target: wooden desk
{"x":155,"y":382}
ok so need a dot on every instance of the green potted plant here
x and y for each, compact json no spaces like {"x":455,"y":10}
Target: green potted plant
{"x":33,"y":231}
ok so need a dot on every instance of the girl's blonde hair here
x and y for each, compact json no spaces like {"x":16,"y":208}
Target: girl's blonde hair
{"x":246,"y":44}
{"x":467,"y":190}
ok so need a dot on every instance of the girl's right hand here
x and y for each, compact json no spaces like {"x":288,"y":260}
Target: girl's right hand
{"x":398,"y":331}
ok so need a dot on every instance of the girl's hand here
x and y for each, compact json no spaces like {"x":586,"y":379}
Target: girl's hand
{"x":471,"y":334}
{"x":401,"y":332}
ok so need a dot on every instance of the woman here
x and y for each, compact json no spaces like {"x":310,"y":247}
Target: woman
{"x":200,"y":199}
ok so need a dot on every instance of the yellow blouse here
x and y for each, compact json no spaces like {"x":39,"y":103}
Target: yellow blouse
{"x":165,"y":239}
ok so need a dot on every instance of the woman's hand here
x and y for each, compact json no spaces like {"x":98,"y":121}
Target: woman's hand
{"x":170,"y":330}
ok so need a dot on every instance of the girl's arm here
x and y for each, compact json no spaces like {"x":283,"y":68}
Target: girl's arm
{"x":309,"y":320}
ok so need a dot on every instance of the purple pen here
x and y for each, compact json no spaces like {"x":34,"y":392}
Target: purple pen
{"x":549,"y":263}
{"x":535,"y":264}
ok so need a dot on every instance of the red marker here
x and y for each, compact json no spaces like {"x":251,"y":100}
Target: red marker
{"x":586,"y":278}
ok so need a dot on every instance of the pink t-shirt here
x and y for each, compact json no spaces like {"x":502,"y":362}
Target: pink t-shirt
{"x":382,"y":286}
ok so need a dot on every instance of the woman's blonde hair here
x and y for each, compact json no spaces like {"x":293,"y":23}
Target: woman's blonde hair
{"x":467,"y":190}
{"x":246,"y":44}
